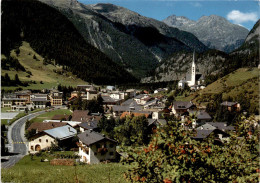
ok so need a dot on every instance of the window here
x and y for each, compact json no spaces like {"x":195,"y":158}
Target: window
{"x":111,"y":145}
{"x":111,"y":153}
{"x":46,"y":140}
{"x":31,"y":147}
{"x":40,"y":140}
{"x":98,"y":146}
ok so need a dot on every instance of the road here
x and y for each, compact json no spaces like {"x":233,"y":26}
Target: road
{"x":18,"y":144}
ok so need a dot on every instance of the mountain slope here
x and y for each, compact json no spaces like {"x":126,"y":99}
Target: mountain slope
{"x":211,"y":62}
{"x":249,"y":51}
{"x":214,"y":31}
{"x":54,"y":37}
{"x":177,"y":65}
{"x":136,"y":42}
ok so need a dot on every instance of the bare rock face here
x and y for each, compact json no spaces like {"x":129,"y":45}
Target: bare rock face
{"x":214,"y":31}
{"x":134,"y":41}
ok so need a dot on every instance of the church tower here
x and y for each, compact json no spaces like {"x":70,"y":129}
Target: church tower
{"x":193,"y":70}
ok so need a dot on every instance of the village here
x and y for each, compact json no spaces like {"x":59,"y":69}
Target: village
{"x":99,"y":120}
{"x":94,"y":147}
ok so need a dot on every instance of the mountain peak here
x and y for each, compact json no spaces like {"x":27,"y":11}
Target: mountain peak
{"x":214,"y":31}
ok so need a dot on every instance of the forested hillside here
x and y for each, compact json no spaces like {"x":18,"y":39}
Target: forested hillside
{"x":53,"y":36}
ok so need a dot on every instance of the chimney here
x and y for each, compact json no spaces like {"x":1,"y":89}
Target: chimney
{"x":69,"y":129}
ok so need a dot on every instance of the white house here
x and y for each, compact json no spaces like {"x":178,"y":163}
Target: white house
{"x":95,"y":147}
{"x":45,"y":139}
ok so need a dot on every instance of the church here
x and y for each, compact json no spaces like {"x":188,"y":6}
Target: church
{"x":193,"y":79}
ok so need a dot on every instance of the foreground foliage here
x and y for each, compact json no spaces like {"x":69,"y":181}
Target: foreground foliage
{"x":172,"y":156}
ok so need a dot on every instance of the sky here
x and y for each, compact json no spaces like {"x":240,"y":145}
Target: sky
{"x":242,"y":12}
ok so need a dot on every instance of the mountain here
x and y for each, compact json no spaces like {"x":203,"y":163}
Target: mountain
{"x":56,"y":39}
{"x":214,"y":31}
{"x":249,"y":51}
{"x":177,"y":65}
{"x":136,"y":42}
{"x":211,"y":62}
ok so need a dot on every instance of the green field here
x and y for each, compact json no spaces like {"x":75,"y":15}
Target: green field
{"x":233,"y":79}
{"x":31,"y":171}
{"x":50,"y":114}
{"x":40,"y":72}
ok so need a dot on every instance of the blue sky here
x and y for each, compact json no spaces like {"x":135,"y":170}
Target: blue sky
{"x":245,"y":13}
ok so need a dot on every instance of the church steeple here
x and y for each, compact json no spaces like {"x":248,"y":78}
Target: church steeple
{"x":193,"y":70}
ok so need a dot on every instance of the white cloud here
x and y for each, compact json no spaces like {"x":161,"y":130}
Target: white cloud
{"x":239,"y":17}
{"x":196,"y":4}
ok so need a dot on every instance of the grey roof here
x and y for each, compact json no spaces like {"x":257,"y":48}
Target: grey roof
{"x":39,"y":95}
{"x":62,"y":132}
{"x":201,"y":115}
{"x":151,"y":102}
{"x":201,"y":134}
{"x":182,"y":104}
{"x":21,"y":99}
{"x":89,"y":125}
{"x":120,"y":108}
{"x":226,"y":103}
{"x":129,"y":102}
{"x":90,"y":137}
{"x":221,"y":125}
{"x":206,"y":127}
{"x":39,"y":100}
{"x":156,"y":121}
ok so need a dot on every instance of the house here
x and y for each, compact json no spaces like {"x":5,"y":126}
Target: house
{"x":83,"y":116}
{"x":180,"y":107}
{"x":128,"y":105}
{"x":131,"y":92}
{"x":95,"y":147}
{"x":201,"y":116}
{"x":118,"y":95}
{"x":222,"y":126}
{"x":218,"y":135}
{"x":9,"y":102}
{"x":193,"y":80}
{"x":39,"y":102}
{"x":108,"y":102}
{"x":231,"y":106}
{"x":56,"y":98}
{"x":90,"y":125}
{"x":39,"y":127}
{"x":45,"y":139}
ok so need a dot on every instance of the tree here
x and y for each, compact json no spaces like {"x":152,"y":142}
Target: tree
{"x":132,"y":130}
{"x":17,"y":80}
{"x":173,"y":156}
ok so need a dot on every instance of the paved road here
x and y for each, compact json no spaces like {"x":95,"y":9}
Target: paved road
{"x":17,"y":141}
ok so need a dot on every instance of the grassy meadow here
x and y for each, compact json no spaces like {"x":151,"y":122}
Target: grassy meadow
{"x":242,"y":81}
{"x":40,"y":72}
{"x":33,"y":170}
{"x":50,"y":114}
